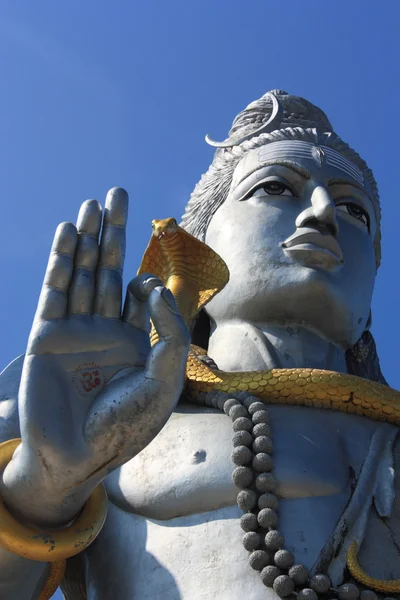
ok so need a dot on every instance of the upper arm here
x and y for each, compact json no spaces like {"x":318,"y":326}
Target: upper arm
{"x":9,"y":385}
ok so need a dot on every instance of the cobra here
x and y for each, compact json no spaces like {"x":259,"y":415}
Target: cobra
{"x":195,"y":274}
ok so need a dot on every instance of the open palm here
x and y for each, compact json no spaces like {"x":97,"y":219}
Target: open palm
{"x":93,"y":393}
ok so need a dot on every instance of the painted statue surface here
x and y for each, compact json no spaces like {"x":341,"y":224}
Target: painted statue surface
{"x":294,"y":213}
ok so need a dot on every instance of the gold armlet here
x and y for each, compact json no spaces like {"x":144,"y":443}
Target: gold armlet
{"x":44,"y":544}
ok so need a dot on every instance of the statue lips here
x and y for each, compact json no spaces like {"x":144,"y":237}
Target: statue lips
{"x":314,"y":248}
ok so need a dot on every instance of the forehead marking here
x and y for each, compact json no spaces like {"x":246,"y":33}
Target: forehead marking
{"x":307,"y":150}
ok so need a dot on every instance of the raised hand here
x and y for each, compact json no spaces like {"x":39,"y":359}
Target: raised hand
{"x":93,"y":393}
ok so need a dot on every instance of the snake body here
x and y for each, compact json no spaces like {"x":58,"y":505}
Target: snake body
{"x":195,"y":273}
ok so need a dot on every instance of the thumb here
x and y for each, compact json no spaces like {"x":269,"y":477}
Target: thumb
{"x":167,"y":358}
{"x":136,"y":310}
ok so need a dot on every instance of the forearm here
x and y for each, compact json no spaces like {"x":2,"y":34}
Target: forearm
{"x":20,"y":578}
{"x":39,"y":501}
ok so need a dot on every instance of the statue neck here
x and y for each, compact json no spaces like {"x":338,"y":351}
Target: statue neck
{"x":243,"y":346}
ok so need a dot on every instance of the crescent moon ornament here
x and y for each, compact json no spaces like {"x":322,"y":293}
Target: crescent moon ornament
{"x":272,"y":124}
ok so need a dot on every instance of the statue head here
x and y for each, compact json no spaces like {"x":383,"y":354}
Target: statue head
{"x":294,"y":212}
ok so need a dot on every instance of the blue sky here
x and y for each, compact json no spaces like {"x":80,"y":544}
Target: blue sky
{"x":97,"y":94}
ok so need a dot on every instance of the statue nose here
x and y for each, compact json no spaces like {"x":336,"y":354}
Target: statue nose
{"x":321,"y":213}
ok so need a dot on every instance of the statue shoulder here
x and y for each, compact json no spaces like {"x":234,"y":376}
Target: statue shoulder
{"x":9,"y":385}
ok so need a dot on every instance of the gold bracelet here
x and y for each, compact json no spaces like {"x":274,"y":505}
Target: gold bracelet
{"x":44,"y":544}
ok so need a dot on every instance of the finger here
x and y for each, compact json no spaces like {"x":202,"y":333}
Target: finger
{"x":108,"y":295}
{"x":167,"y":359}
{"x":81,"y":290}
{"x":53,"y":296}
{"x":136,"y":308}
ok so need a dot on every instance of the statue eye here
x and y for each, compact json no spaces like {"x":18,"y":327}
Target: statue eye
{"x":356,"y":211}
{"x":274,"y":188}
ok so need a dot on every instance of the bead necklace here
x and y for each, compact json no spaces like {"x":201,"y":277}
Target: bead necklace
{"x":252,"y":455}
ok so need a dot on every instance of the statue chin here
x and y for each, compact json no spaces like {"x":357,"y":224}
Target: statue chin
{"x":321,"y":297}
{"x":303,"y":296}
{"x":304,"y":284}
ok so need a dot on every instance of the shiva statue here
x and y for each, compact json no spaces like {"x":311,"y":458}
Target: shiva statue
{"x":129,"y":474}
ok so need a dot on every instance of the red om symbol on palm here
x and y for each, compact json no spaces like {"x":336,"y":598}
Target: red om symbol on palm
{"x":90,"y":380}
{"x":87,"y":377}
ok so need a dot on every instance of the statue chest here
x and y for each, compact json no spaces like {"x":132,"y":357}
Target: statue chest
{"x":187,"y":468}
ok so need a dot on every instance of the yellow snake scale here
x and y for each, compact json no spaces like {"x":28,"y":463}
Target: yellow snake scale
{"x":195,"y":273}
{"x":54,"y":578}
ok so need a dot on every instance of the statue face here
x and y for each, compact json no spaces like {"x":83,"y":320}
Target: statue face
{"x":297,"y":232}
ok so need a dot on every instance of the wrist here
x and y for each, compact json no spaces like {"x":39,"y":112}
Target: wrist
{"x":50,"y":544}
{"x":31,"y":499}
